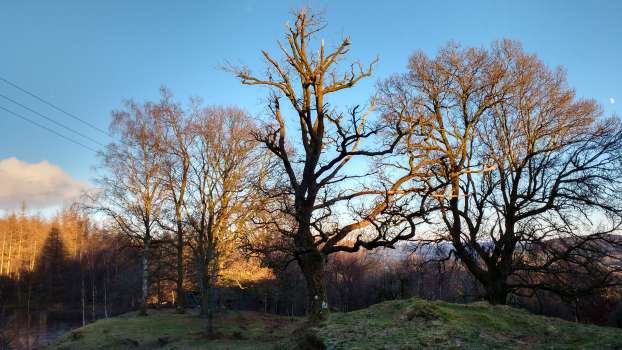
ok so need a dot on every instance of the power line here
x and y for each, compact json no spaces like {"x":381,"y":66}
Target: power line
{"x":52,"y":120}
{"x":48,"y":129}
{"x":56,"y":107}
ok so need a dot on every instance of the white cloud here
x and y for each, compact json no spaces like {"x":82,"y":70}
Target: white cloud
{"x":612,"y":100}
{"x":41,"y":185}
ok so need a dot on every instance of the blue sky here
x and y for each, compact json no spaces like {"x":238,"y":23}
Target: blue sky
{"x":87,"y":56}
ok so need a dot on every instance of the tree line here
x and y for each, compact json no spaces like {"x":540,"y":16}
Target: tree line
{"x":65,"y":264}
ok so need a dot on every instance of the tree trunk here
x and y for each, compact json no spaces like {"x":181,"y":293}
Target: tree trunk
{"x":82,"y":287}
{"x":2,"y":253}
{"x":312,"y":266}
{"x":496,"y":293}
{"x":32,"y":257}
{"x":311,"y":262}
{"x":83,"y":300}
{"x":180,"y":269}
{"x":8,"y":266}
{"x":28,"y":300}
{"x":203,"y":284}
{"x":19,"y":251}
{"x":93,"y":315}
{"x":209,"y":270}
{"x":207,"y":307}
{"x":209,"y":295}
{"x":106,"y":295}
{"x":145,"y":280}
{"x":204,"y":296}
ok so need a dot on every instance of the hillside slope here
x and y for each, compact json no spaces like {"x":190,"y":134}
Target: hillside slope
{"x":418,"y":324}
{"x":400,"y":325}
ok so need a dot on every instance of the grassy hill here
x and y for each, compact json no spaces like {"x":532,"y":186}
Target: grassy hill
{"x":400,"y":325}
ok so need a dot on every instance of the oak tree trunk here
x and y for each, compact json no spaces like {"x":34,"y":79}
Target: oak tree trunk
{"x":313,"y":270}
{"x":496,"y":292}
{"x":311,"y":262}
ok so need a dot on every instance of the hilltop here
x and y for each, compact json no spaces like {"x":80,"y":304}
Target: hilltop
{"x":400,"y":325}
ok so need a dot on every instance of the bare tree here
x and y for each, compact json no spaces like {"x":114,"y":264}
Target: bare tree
{"x":318,"y":181}
{"x":530,"y":172}
{"x":225,"y":163}
{"x":175,"y":173}
{"x":131,"y":181}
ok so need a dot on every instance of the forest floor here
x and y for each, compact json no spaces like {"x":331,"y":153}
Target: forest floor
{"x":399,"y":325}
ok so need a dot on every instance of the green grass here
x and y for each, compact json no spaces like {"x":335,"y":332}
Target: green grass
{"x":164,"y":329}
{"x":418,"y":324}
{"x":399,"y":325}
